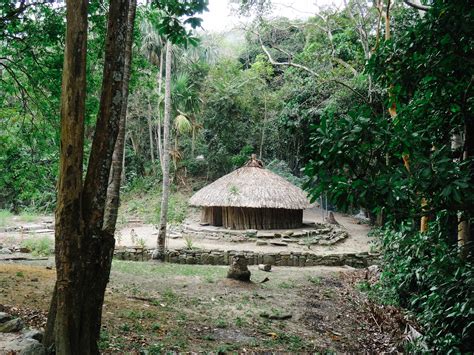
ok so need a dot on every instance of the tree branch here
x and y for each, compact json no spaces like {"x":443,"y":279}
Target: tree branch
{"x":417,"y":6}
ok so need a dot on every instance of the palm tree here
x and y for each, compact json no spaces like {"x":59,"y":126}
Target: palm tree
{"x":166,"y":157}
{"x":153,"y":48}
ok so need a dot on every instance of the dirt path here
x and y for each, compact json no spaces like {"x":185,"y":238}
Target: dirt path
{"x":164,"y":307}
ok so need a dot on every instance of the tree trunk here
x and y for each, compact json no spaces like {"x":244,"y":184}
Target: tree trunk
{"x":65,"y":323}
{"x":467,"y":228}
{"x":83,"y":249}
{"x":116,"y":170}
{"x":150,"y":134}
{"x":166,"y":158}
{"x":159,"y":143}
{"x":262,"y":137}
{"x":99,"y":243}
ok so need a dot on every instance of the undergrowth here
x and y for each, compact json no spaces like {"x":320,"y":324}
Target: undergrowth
{"x":142,"y":199}
{"x":425,"y":274}
{"x":39,"y":246}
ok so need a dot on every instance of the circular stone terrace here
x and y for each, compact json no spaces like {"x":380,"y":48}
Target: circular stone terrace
{"x":315,"y":237}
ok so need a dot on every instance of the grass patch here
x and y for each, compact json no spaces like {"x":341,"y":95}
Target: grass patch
{"x":314,"y":280}
{"x":5,"y":216}
{"x":207,"y":272}
{"x":39,"y":246}
{"x":28,"y":217}
{"x":286,"y":284}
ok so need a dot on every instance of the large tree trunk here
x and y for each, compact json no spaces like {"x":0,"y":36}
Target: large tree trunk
{"x":83,"y":249}
{"x":166,"y":158}
{"x":99,"y":243}
{"x":65,"y":324}
{"x":116,"y":170}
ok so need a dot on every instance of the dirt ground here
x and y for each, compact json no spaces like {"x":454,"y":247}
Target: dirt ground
{"x":159,"y":307}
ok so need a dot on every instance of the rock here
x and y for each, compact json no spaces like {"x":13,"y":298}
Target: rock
{"x":251,"y":233}
{"x":34,"y":334}
{"x":24,"y":250}
{"x":4,"y":317}
{"x":279,"y":244}
{"x":282,"y":316}
{"x":373,"y":268}
{"x":269,"y":259}
{"x":11,"y":326}
{"x":265,"y":267}
{"x":5,"y":251}
{"x":265,"y":235}
{"x":21,"y":346}
{"x":277,"y":235}
{"x":34,"y":279}
{"x":287,"y":233}
{"x":238,"y":269}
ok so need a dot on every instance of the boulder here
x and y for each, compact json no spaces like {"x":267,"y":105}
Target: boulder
{"x":265,"y":267}
{"x":4,"y":317}
{"x":5,"y":251}
{"x":238,"y":269}
{"x":34,"y":334}
{"x":11,"y":326}
{"x":12,"y":344}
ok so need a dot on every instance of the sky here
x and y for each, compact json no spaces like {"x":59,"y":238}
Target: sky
{"x":220,"y":19}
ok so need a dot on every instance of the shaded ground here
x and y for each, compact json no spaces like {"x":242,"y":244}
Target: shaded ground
{"x":157,"y":307}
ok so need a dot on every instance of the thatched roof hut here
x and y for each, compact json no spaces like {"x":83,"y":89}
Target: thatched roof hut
{"x":252,"y":197}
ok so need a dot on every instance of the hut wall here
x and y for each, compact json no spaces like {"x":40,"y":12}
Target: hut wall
{"x":261,"y":218}
{"x":212,"y":215}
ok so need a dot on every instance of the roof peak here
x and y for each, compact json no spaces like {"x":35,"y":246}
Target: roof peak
{"x":254,"y":162}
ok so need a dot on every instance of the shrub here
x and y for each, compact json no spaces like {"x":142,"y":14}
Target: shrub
{"x":425,"y":274}
{"x":39,"y":246}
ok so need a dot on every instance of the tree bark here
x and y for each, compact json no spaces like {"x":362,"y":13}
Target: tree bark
{"x":83,"y":249}
{"x":65,"y":322}
{"x":159,"y":143}
{"x":99,"y":243}
{"x":116,"y":170}
{"x":150,"y":134}
{"x":166,"y":158}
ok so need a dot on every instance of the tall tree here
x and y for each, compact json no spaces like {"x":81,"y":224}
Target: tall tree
{"x":83,"y":248}
{"x":65,"y":315}
{"x":116,"y":173}
{"x":166,"y":156}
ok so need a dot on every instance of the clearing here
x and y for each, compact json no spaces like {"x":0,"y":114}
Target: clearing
{"x":156,"y":307}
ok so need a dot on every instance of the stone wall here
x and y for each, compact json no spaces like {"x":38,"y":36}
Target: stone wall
{"x":220,"y":257}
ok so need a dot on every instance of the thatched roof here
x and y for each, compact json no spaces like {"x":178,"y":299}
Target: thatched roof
{"x":251,"y":186}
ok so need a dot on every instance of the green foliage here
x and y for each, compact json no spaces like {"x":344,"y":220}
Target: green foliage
{"x":357,"y":159}
{"x":423,"y":273}
{"x":39,"y":246}
{"x":281,"y":168}
{"x":142,"y":198}
{"x":170,"y":23}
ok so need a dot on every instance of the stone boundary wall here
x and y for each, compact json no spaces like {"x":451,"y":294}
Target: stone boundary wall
{"x":220,"y":257}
